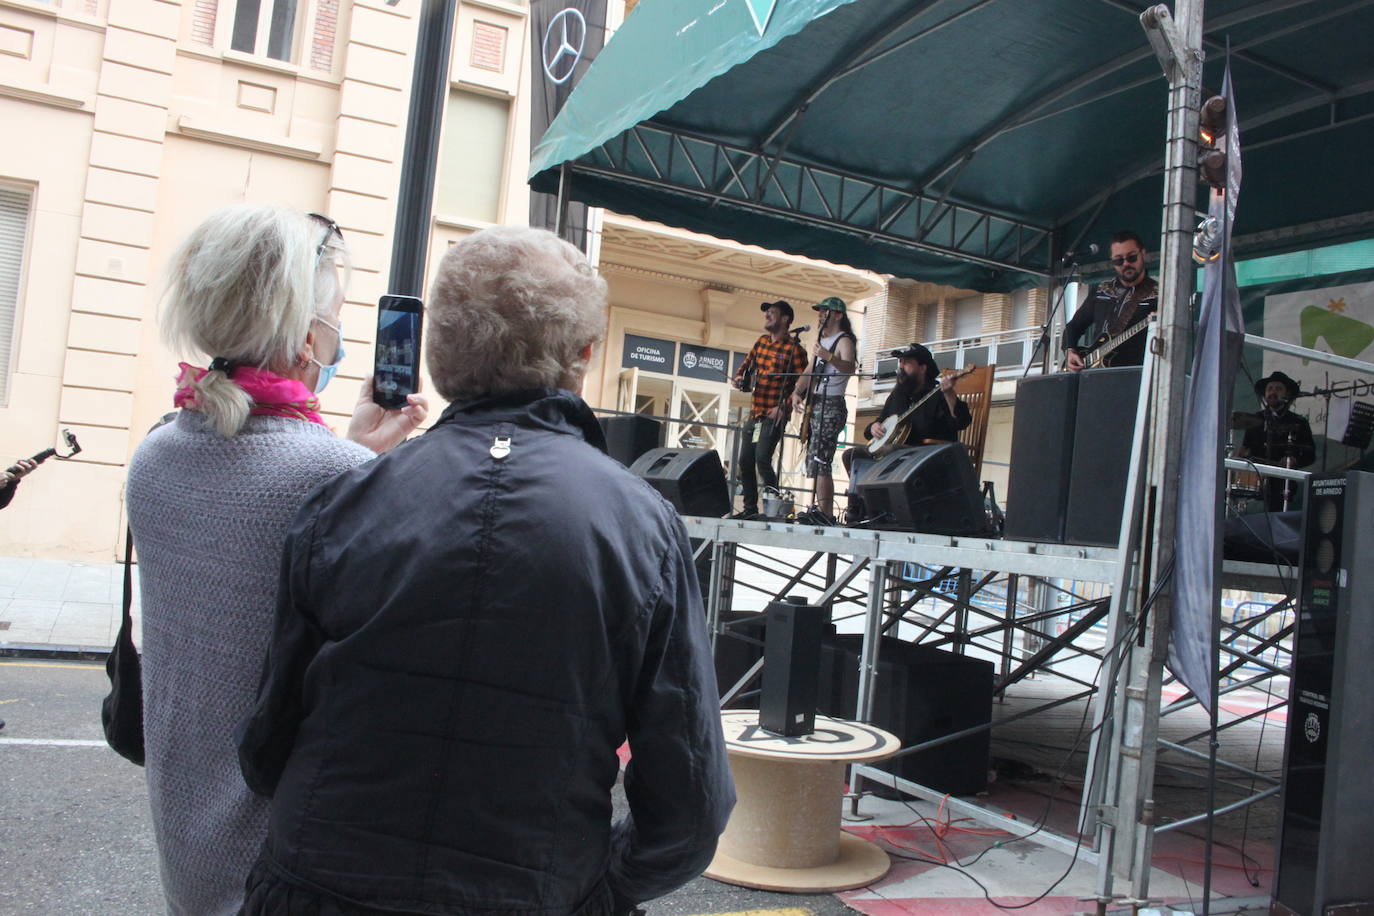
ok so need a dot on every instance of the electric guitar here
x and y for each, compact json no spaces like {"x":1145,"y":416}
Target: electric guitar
{"x":897,"y":427}
{"x":1099,"y":352}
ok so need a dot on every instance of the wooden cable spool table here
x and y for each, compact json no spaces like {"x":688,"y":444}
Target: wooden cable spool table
{"x":784,"y":834}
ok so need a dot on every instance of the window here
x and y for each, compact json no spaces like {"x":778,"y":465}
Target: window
{"x":14,"y":230}
{"x":474,"y":156}
{"x":265,"y":27}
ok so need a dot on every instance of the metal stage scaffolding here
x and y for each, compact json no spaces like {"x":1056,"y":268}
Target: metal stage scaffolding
{"x":1034,"y":609}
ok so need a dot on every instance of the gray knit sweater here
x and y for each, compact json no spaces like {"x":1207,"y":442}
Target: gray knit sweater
{"x":209,"y":517}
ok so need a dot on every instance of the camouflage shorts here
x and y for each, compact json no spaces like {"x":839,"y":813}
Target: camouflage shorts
{"x":828,"y":417}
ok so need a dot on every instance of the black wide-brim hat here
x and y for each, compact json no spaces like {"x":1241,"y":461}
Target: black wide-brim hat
{"x":1288,"y":383}
{"x":921,"y":355}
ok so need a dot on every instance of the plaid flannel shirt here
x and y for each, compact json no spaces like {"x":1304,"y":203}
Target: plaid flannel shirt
{"x":772,"y":360}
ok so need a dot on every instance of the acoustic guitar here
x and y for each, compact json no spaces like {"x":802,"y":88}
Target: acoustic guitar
{"x":897,"y":427}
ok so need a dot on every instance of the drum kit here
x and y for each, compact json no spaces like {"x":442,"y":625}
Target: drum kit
{"x":1244,"y":486}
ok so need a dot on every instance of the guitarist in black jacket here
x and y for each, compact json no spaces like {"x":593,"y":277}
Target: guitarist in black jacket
{"x":939,"y":418}
{"x":1115,"y":306}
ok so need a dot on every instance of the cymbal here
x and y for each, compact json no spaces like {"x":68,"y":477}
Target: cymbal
{"x":1242,"y":420}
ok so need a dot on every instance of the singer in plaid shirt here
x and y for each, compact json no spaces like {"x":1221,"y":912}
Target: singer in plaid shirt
{"x":776,"y":358}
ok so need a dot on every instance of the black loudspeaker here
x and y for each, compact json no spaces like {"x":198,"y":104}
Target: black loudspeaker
{"x":922,"y":694}
{"x":742,"y":643}
{"x":1041,"y":455}
{"x":1103,"y":430}
{"x":791,"y":662}
{"x":692,"y":479}
{"x":1323,"y":845}
{"x":928,"y":488}
{"x":628,"y":437}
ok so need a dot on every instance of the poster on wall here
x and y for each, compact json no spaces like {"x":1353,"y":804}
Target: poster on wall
{"x":1337,"y":320}
{"x":707,"y":363}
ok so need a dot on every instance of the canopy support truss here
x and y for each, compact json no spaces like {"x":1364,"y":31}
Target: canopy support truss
{"x":653,"y":156}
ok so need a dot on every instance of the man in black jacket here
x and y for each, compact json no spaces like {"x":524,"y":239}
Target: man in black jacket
{"x":470,"y":626}
{"x":1114,"y":307}
{"x":942,"y":417}
{"x":1281,"y":437}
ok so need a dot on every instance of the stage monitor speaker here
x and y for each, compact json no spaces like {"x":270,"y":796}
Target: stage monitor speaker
{"x":1323,"y":845}
{"x":692,"y":479}
{"x":1103,"y":431}
{"x":791,"y":666}
{"x":928,"y":488}
{"x":1041,"y":455}
{"x":628,"y":437}
{"x":922,"y":694}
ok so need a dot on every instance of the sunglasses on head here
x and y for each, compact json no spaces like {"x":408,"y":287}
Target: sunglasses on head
{"x":1126,"y":258}
{"x":332,"y":229}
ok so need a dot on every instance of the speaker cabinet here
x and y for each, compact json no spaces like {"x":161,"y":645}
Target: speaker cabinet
{"x":791,"y":661}
{"x":922,"y":694}
{"x":692,"y":479}
{"x":1102,"y":436}
{"x":628,"y":437}
{"x":1323,"y":846}
{"x":928,"y":488}
{"x":1041,"y":455}
{"x":742,"y":643}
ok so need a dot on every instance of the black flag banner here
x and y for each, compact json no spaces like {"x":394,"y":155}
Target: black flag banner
{"x":565,"y":37}
{"x":1220,"y":334}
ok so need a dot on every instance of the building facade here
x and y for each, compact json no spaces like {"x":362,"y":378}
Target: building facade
{"x":131,"y":120}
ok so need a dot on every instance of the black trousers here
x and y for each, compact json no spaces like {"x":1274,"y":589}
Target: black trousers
{"x":756,"y":458}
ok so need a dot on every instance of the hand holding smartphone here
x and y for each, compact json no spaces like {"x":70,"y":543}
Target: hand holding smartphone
{"x":396,"y":362}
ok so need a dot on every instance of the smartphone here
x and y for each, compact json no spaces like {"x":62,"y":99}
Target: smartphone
{"x":396,"y":363}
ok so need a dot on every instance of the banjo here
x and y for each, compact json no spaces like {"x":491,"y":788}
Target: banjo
{"x":897,"y":427}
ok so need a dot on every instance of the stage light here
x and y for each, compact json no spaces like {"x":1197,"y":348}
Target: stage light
{"x":1212,"y":130}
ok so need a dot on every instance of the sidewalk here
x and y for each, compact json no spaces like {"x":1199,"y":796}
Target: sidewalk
{"x":58,"y":607}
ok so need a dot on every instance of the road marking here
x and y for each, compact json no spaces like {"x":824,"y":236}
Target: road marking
{"x":15,"y":700}
{"x":10,"y":664}
{"x":54,"y":742}
{"x":787,"y":911}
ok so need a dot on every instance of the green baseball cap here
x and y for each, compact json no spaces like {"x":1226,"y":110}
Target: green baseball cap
{"x":829,"y":304}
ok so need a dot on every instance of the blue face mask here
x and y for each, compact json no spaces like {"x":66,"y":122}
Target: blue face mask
{"x":327,"y":372}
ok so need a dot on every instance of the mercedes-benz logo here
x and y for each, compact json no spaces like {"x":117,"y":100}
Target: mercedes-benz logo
{"x":563,"y":42}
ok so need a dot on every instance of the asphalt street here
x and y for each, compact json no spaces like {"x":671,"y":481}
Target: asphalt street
{"x":75,"y":836}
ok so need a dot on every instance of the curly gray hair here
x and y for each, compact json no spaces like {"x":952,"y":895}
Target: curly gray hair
{"x":511,"y":308}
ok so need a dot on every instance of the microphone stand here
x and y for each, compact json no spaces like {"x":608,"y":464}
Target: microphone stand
{"x":1044,"y":339}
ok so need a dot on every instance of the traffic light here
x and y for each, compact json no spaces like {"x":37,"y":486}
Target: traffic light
{"x":1212,"y":131}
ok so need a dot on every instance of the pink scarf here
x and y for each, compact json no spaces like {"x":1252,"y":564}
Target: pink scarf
{"x":273,"y":396}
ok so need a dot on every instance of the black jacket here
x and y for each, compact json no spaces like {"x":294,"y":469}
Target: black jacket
{"x":933,"y":420}
{"x":1271,"y":441}
{"x":463,"y":639}
{"x":1109,"y":300}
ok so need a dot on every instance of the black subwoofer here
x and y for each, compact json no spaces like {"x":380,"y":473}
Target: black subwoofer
{"x":1041,"y":456}
{"x":1103,"y":430}
{"x":692,"y":479}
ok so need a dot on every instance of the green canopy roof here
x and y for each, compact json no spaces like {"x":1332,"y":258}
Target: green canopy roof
{"x":967,"y":142}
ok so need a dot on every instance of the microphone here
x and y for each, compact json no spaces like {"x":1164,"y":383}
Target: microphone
{"x":805,"y":327}
{"x":1073,"y":253}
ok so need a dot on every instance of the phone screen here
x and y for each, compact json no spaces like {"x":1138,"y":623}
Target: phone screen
{"x":396,"y":372}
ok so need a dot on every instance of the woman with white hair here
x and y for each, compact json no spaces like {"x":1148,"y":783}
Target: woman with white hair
{"x":444,"y":697}
{"x":259,"y":289}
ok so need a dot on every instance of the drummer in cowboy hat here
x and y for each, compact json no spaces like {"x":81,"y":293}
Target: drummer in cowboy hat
{"x":1280,"y":436}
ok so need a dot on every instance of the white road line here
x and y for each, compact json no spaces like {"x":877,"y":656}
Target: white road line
{"x":54,"y":742}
